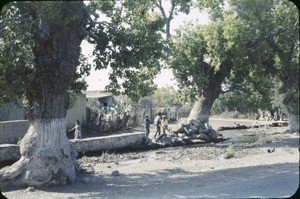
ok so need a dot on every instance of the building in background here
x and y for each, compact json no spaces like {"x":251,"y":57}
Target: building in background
{"x":106,"y":99}
{"x":14,"y":124}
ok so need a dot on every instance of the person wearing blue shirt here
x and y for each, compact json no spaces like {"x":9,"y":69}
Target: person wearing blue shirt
{"x":147,"y":126}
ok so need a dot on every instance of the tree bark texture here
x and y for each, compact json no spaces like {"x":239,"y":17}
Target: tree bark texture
{"x":294,"y":122}
{"x":201,"y":110}
{"x":291,"y":99}
{"x":202,"y":107}
{"x":46,"y":155}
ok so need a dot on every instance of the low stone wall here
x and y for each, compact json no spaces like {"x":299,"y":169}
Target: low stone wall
{"x":10,"y":111}
{"x":12,"y":131}
{"x":9,"y":152}
{"x":109,"y":142}
{"x":12,"y":151}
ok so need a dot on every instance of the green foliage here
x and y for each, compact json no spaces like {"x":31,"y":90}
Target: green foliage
{"x":166,"y":97}
{"x":129,"y":42}
{"x":137,"y":47}
{"x":133,"y":47}
{"x":213,"y":7}
{"x":16,"y":56}
{"x":187,"y":58}
{"x":199,"y":51}
{"x":245,"y":100}
{"x":24,"y":25}
{"x":275,"y":34}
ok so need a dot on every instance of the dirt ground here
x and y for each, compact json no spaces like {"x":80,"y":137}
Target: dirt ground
{"x":259,"y":163}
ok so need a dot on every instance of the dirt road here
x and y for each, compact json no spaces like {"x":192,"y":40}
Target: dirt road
{"x":234,"y":170}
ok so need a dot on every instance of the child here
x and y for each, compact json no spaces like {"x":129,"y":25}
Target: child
{"x":165,"y":123}
{"x":77,"y":128}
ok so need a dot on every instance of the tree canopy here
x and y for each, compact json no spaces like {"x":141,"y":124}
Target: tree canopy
{"x":237,"y":25}
{"x":127,"y":38}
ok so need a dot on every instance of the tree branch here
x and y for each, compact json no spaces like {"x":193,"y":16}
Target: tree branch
{"x":91,"y":22}
{"x":254,"y":42}
{"x":172,"y":10}
{"x":92,"y":35}
{"x":159,"y":5}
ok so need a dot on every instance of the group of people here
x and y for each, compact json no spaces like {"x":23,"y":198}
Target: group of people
{"x":160,"y":121}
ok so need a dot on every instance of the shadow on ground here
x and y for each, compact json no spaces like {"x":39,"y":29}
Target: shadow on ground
{"x":278,"y":180}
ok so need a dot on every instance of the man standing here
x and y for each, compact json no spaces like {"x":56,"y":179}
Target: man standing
{"x":157,"y":122}
{"x":147,"y":126}
{"x":165,"y":124}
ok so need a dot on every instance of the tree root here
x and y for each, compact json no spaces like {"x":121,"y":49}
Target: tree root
{"x":44,"y":168}
{"x":13,"y":172}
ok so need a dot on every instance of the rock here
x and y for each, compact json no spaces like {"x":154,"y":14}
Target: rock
{"x":208,"y":126}
{"x":204,"y":131}
{"x":31,"y":189}
{"x":193,"y":129}
{"x":271,"y":150}
{"x":186,"y":138}
{"x":213,"y":135}
{"x":202,"y":137}
{"x":151,"y":144}
{"x":194,"y":136}
{"x":177,"y":139}
{"x":195,"y":123}
{"x":115,"y":173}
{"x":85,"y":180}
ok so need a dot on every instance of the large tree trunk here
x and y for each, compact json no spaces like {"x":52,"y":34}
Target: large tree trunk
{"x":46,"y":155}
{"x":290,"y":79}
{"x":293,"y":122}
{"x":290,"y":85}
{"x":199,"y":115}
{"x":202,"y":107}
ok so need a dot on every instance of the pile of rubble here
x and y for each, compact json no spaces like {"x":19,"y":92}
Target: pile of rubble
{"x":189,"y":132}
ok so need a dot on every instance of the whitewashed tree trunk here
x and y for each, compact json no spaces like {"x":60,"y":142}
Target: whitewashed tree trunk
{"x":46,"y":154}
{"x":293,"y":122}
{"x":46,"y":159}
{"x":201,"y":110}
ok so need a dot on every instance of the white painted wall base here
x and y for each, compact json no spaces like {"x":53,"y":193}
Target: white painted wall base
{"x":12,"y":151}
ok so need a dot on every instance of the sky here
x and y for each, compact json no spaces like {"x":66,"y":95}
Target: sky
{"x":98,"y":79}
